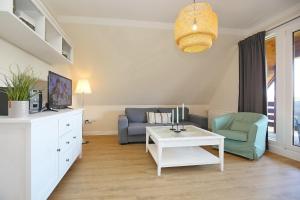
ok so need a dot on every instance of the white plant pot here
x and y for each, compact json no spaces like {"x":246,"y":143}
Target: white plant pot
{"x":18,"y":109}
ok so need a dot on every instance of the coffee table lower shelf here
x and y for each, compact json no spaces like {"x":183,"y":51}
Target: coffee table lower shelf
{"x":183,"y":156}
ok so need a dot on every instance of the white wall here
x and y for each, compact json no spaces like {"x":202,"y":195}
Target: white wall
{"x":141,"y":66}
{"x":225,"y":98}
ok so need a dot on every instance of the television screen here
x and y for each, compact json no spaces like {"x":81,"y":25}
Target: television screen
{"x":59,"y":91}
{"x":3,"y":102}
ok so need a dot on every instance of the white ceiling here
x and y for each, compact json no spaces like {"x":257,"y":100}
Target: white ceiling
{"x":238,"y":14}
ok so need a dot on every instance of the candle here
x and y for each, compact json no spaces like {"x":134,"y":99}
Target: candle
{"x":177,"y":115}
{"x":172,"y":116}
{"x":183,"y":112}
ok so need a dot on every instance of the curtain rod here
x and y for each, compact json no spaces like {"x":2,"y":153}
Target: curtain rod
{"x":283,"y":23}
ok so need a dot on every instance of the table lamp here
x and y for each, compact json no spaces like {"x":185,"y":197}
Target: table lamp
{"x":83,"y":87}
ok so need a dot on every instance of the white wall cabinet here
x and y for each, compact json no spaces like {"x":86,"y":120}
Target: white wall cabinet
{"x":36,"y":152}
{"x":29,"y":25}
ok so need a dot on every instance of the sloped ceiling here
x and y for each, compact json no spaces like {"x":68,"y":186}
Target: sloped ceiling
{"x":129,"y":63}
{"x":143,"y":66}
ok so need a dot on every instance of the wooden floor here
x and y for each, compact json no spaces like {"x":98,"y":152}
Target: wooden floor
{"x":112,"y":171}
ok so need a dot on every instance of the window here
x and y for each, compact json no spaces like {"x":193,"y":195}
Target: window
{"x":270,"y":45}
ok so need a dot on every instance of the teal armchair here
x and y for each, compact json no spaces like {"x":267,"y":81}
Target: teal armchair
{"x":245,"y":133}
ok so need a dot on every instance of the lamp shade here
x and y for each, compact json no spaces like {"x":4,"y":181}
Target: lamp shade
{"x":196,"y":27}
{"x":83,"y":87}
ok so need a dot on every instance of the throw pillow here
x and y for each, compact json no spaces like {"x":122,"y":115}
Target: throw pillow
{"x":158,"y":118}
{"x":165,"y":117}
{"x":151,"y":117}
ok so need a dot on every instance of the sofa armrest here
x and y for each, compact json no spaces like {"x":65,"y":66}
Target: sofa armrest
{"x":122,"y":129}
{"x":257,"y":133}
{"x":200,"y":120}
{"x":221,"y":122}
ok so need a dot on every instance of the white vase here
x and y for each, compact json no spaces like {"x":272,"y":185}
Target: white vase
{"x":18,"y":109}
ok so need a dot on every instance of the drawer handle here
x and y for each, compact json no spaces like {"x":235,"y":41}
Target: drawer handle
{"x":68,"y":124}
{"x":74,"y":137}
{"x":67,"y":142}
{"x":58,"y":150}
{"x":67,"y":160}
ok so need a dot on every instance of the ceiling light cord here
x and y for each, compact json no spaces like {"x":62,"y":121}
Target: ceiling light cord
{"x":194,"y":26}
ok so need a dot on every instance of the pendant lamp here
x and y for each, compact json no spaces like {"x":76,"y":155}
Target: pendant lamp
{"x":196,"y":27}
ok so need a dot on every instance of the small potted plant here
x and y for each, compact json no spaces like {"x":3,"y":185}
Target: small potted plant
{"x":18,"y":84}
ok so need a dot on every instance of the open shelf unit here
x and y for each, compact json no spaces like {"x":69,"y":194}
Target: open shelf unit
{"x":67,"y":49}
{"x":28,"y":25}
{"x":53,"y":37}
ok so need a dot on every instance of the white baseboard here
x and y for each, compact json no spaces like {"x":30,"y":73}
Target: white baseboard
{"x":284,"y":152}
{"x":100,"y":132}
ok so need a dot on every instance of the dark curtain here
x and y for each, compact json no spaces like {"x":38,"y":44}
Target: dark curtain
{"x":252,"y":75}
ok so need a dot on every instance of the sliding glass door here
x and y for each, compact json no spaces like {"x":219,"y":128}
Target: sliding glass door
{"x":283,"y":87}
{"x":296,"y":83}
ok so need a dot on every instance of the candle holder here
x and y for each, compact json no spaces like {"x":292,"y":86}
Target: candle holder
{"x":172,"y":129}
{"x":177,"y":129}
{"x":183,"y":129}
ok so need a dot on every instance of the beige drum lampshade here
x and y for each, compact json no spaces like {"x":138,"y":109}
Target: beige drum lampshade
{"x":196,"y":27}
{"x":83,"y":87}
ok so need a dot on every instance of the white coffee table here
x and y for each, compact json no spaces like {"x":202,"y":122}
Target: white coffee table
{"x":183,"y":149}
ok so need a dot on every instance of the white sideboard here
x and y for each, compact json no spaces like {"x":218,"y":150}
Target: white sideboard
{"x":37,"y":151}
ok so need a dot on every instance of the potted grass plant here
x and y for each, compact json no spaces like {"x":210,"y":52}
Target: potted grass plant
{"x":18,"y":84}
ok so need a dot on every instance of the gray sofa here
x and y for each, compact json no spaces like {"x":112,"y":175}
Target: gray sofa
{"x":132,"y":125}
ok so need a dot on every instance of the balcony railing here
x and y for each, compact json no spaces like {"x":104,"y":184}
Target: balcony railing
{"x":272,"y":116}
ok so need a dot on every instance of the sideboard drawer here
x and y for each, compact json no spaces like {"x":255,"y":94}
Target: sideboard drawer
{"x":66,"y":141}
{"x":65,"y":125}
{"x":64,"y":162}
{"x":67,"y":158}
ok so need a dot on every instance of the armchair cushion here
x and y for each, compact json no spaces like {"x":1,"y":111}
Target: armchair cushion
{"x":234,"y":135}
{"x":238,"y":125}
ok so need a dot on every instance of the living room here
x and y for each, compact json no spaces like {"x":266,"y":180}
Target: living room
{"x":149,"y":99}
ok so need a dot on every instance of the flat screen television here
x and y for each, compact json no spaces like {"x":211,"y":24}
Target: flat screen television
{"x":59,"y":91}
{"x":3,"y":102}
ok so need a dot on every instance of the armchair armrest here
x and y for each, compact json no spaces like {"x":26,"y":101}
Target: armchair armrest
{"x":221,"y":122}
{"x":200,"y":120}
{"x":122,"y":129}
{"x":257,"y":133}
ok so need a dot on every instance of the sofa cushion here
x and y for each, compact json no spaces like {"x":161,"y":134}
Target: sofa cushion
{"x":234,"y":135}
{"x":238,"y":125}
{"x":169,"y":110}
{"x":138,"y":128}
{"x":138,"y":114}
